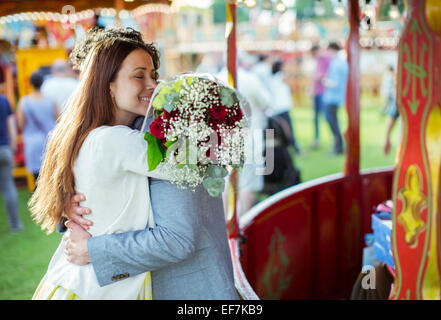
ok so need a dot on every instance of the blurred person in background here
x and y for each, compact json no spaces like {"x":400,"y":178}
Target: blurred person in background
{"x":258,"y":96}
{"x":209,"y":64}
{"x":335,"y":93}
{"x":282,"y":102}
{"x":8,"y":145}
{"x":60,"y":85}
{"x":390,"y":108}
{"x":262,"y":68}
{"x":36,"y":116}
{"x":322,"y":60}
{"x":387,"y":88}
{"x":285,"y":174}
{"x":393,"y":118}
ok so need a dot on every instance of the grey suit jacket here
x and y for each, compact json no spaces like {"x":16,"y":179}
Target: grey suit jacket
{"x":187,"y":251}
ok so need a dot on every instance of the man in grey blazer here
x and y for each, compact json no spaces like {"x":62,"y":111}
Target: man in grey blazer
{"x":187,"y":251}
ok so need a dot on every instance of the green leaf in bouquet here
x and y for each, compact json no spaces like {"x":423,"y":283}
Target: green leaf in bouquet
{"x":169,"y":143}
{"x":155,"y":151}
{"x":217,"y":171}
{"x":171,"y":148}
{"x":159,"y":101}
{"x":186,"y":83}
{"x":228,"y":98}
{"x":168,"y":106}
{"x":171,"y":99}
{"x":214,"y":186}
{"x":161,"y":98}
{"x":177,"y":85}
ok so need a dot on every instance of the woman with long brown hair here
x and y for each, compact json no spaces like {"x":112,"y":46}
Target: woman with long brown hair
{"x":93,"y":150}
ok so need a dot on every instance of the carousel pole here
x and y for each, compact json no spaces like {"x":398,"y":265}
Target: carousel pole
{"x":352,"y":163}
{"x":352,"y":221}
{"x":416,"y":187}
{"x":243,"y":287}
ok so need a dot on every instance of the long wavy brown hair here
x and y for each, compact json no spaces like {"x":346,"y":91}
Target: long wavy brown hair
{"x":89,"y":107}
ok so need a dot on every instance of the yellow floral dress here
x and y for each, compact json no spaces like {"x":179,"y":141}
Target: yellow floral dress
{"x":48,"y":291}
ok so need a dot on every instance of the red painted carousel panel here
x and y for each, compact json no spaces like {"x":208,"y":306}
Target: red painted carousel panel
{"x":301,"y":244}
{"x":351,"y":237}
{"x":280,"y":255}
{"x":246,"y":256}
{"x":284,"y":252}
{"x":328,"y":233}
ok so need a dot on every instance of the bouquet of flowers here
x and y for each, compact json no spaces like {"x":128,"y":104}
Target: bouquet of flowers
{"x":197,"y":129}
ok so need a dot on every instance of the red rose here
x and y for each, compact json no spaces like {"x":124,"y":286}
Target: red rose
{"x":236,"y":117}
{"x":166,"y":115}
{"x":169,"y":115}
{"x":217,"y":113}
{"x":157,"y":128}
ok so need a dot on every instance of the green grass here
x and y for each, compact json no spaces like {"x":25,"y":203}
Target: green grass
{"x":24,"y":256}
{"x":315,"y":163}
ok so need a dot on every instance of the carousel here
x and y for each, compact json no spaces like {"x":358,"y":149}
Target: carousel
{"x":307,"y":241}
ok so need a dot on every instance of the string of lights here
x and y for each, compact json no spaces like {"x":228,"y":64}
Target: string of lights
{"x":369,"y":9}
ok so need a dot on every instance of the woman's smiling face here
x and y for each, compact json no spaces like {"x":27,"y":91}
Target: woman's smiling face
{"x":133,"y":86}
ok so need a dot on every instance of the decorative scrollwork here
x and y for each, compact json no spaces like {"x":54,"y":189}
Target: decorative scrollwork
{"x":414,"y":201}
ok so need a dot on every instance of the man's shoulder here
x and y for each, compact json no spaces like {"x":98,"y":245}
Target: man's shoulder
{"x":167,"y":198}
